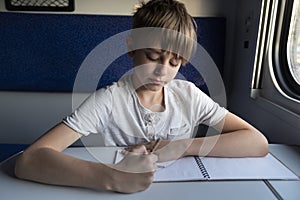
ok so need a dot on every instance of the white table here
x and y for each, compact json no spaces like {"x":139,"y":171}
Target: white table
{"x":15,"y":189}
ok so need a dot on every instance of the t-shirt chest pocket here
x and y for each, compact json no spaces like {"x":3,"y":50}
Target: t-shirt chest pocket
{"x":180,"y":132}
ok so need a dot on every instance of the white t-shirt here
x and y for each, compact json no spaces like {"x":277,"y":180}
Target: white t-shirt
{"x":116,"y":112}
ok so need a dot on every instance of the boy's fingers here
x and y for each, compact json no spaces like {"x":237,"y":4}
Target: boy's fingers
{"x":140,"y":149}
{"x":136,"y":149}
{"x":138,"y":163}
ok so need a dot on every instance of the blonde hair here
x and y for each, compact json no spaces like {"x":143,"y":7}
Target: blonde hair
{"x":169,"y":15}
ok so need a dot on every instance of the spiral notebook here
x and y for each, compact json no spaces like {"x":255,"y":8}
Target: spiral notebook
{"x":212,"y":168}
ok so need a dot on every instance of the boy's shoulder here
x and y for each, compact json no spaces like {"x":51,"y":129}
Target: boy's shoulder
{"x":121,"y":86}
{"x":184,"y":88}
{"x":122,"y":82}
{"x":186,"y":91}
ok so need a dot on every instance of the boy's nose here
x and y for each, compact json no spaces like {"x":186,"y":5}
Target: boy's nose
{"x":161,"y":70}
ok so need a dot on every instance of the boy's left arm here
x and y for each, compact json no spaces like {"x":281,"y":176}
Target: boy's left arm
{"x":237,"y":138}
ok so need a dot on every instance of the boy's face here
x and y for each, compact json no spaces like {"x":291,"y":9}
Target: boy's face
{"x":153,"y":68}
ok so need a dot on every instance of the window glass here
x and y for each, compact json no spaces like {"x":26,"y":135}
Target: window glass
{"x":293,"y":47}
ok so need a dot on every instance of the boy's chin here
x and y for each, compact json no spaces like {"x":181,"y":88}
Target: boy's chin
{"x":154,"y":87}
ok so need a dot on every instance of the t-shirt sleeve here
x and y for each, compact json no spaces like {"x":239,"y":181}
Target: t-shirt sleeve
{"x":92,"y":115}
{"x":207,"y":111}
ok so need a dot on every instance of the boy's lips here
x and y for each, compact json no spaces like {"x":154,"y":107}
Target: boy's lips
{"x":156,"y":81}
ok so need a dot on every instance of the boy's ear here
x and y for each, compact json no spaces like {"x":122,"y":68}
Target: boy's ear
{"x":129,"y":43}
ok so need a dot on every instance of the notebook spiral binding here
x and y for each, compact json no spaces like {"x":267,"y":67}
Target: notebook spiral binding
{"x":202,"y":167}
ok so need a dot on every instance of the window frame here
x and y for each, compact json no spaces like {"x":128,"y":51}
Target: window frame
{"x":283,"y":78}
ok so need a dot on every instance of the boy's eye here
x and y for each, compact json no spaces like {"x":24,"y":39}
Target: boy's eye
{"x":174,"y":62}
{"x":152,"y":56}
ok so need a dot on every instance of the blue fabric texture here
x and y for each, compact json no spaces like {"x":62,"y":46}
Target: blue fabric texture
{"x":43,"y":52}
{"x":7,"y":150}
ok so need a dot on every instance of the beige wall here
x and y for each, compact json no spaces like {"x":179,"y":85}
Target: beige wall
{"x":125,"y":7}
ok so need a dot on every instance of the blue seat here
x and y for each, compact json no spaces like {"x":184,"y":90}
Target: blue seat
{"x":7,"y":150}
{"x":43,"y":52}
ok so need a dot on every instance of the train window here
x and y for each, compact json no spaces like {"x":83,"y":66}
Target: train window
{"x":293,"y":45}
{"x":276,"y":72}
{"x":286,"y":49}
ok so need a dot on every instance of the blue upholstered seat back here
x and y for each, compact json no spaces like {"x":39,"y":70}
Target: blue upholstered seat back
{"x":43,"y":52}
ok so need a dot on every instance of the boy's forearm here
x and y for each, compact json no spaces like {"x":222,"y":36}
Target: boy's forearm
{"x":242,"y":143}
{"x":46,"y":165}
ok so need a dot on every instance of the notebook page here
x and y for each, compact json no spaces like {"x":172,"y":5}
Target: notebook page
{"x":180,"y":170}
{"x":187,"y":169}
{"x":267,"y":167}
{"x":177,"y":170}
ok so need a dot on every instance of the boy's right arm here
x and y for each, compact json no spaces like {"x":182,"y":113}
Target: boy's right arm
{"x":43,"y":162}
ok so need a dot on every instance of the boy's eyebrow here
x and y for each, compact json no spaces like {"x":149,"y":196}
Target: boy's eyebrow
{"x":155,"y":50}
{"x":160,"y":51}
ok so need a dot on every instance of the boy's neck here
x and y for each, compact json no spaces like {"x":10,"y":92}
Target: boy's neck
{"x":153,"y":100}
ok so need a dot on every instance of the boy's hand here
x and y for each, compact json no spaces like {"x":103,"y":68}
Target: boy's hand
{"x":140,"y":148}
{"x":137,"y":161}
{"x":134,"y":172}
{"x":167,"y":150}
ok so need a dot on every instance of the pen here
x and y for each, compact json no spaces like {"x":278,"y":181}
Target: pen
{"x":155,"y":145}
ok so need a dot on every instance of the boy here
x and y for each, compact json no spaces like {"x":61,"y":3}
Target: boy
{"x":138,"y":109}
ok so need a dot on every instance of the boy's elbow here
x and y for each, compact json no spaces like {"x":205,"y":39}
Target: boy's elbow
{"x":263,"y":149}
{"x":262,"y":145}
{"x":20,"y":166}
